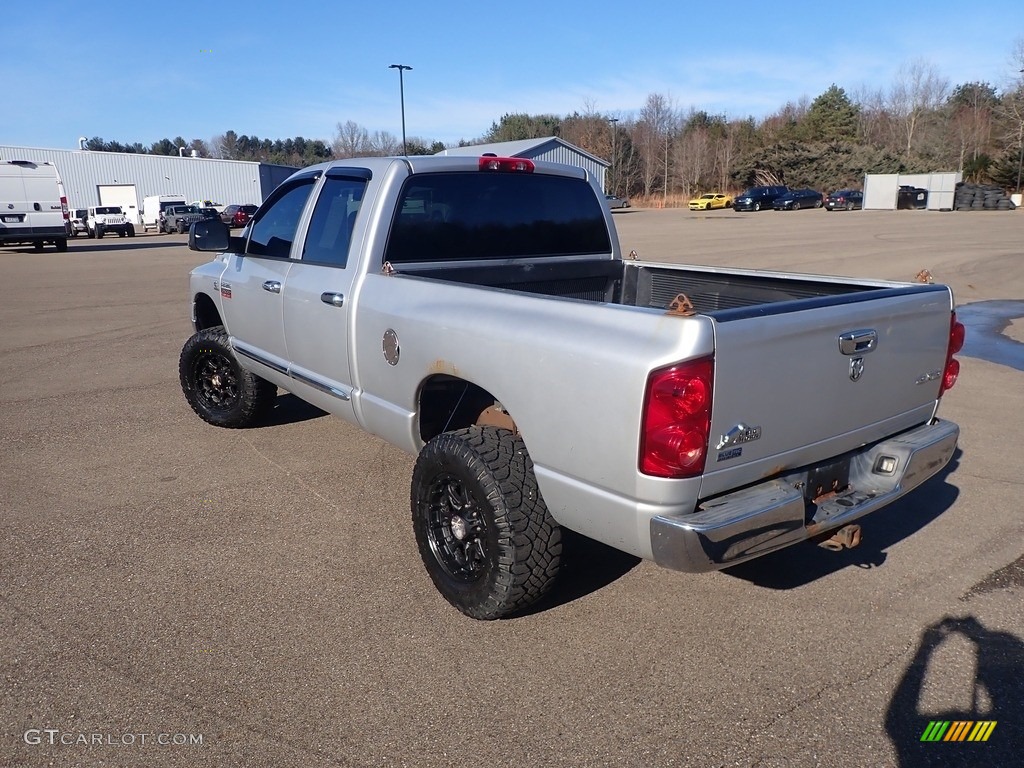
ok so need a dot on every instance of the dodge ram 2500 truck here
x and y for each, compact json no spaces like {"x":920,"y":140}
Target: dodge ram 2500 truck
{"x":477,"y":312}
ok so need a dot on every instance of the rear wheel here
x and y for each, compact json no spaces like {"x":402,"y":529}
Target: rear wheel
{"x":217,"y":388}
{"x":484,"y":533}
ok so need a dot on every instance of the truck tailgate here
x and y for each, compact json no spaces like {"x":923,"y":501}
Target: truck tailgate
{"x":800,"y":382}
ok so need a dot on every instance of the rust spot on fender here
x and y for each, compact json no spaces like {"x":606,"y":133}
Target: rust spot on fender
{"x":443,"y":366}
{"x":493,"y":416}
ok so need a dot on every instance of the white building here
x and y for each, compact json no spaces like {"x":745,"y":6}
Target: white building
{"x":550,"y":148}
{"x":125,"y":179}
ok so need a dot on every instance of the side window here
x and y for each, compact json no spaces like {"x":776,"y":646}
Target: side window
{"x":272,"y":234}
{"x":330,"y":228}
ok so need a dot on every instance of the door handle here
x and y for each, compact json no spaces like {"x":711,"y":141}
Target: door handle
{"x":273,"y":286}
{"x":334,"y":299}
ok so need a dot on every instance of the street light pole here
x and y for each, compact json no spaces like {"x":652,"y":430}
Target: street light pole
{"x":401,"y":91}
{"x":613,"y":121}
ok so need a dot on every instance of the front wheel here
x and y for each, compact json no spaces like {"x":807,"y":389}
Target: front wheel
{"x":485,"y":535}
{"x":217,"y":388}
{"x":757,"y":206}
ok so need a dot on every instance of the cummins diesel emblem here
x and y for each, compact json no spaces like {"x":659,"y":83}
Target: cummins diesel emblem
{"x":739,"y":434}
{"x":856,"y":368}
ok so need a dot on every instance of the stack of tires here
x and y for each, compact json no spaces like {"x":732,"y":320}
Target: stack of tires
{"x":981,"y":197}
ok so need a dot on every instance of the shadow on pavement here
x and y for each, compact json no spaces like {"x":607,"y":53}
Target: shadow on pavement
{"x":288,"y":409}
{"x":587,"y":566}
{"x":958,"y":736}
{"x":803,"y":563}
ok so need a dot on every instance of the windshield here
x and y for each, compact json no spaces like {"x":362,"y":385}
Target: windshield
{"x":108,"y":209}
{"x":707,"y":197}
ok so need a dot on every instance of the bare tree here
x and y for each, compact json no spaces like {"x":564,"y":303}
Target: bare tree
{"x":350,"y":140}
{"x":384,"y":144}
{"x":651,"y":138}
{"x":919,"y":92}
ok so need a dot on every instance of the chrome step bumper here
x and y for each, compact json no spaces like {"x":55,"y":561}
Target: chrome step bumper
{"x":769,"y":516}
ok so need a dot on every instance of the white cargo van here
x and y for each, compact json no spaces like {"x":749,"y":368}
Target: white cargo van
{"x":153,"y":205}
{"x":33,"y":206}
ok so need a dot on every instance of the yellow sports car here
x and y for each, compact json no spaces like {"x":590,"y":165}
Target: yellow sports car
{"x":709,"y":201}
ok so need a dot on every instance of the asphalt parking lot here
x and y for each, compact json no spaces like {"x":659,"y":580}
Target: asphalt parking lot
{"x":174,"y":594}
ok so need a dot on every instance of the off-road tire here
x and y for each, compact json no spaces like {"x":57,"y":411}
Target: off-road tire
{"x":90,"y":233}
{"x":100,"y":231}
{"x":131,"y":230}
{"x":181,"y":228}
{"x":217,"y":388}
{"x":485,"y":535}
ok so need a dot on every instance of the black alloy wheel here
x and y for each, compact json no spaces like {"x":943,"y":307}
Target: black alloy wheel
{"x":216,"y":387}
{"x":484,"y":534}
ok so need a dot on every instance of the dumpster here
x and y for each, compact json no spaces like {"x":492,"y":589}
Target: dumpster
{"x":911,"y":198}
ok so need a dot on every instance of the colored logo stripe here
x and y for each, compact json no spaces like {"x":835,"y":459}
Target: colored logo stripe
{"x":982,"y":730}
{"x":958,"y":730}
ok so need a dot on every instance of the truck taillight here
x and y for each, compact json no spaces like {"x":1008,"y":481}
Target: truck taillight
{"x":64,"y":208}
{"x":507,"y":164}
{"x":676,"y":420}
{"x":956,"y":343}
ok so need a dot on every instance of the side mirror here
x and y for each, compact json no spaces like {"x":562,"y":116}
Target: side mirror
{"x":209,"y":235}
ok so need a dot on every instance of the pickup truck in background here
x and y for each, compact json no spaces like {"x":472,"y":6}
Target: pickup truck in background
{"x":478,"y":313}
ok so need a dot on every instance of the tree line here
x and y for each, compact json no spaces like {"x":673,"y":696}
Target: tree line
{"x":920,"y":123}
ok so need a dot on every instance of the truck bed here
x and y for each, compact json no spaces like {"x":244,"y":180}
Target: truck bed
{"x":710,"y":291}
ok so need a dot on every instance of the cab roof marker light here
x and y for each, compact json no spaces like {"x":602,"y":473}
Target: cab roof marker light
{"x":506,"y":164}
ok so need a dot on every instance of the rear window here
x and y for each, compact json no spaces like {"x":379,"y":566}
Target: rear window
{"x":480,"y":215}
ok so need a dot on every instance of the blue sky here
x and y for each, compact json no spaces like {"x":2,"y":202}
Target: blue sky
{"x":133,"y":71}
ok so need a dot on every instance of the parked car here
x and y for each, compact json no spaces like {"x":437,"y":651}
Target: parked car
{"x":756,"y":198}
{"x":796,"y":199}
{"x":78,"y":217}
{"x":104,"y":219}
{"x":845,"y":200}
{"x":238,"y":215}
{"x":616,"y":202}
{"x":709,"y":201}
{"x":219,"y":207}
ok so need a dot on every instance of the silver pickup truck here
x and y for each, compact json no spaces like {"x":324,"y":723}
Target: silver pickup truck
{"x":477,"y":312}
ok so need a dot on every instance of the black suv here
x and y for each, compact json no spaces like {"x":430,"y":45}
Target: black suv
{"x":756,"y":198}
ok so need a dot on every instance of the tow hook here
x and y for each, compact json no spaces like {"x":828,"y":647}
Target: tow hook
{"x":846,"y":537}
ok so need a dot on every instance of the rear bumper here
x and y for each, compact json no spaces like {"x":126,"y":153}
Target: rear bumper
{"x":772,"y":515}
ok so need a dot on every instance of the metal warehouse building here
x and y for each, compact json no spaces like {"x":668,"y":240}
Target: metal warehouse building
{"x":125,"y":179}
{"x":551,"y":149}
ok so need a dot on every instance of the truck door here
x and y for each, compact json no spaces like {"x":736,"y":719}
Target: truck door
{"x":251,"y":287}
{"x":317,"y":296}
